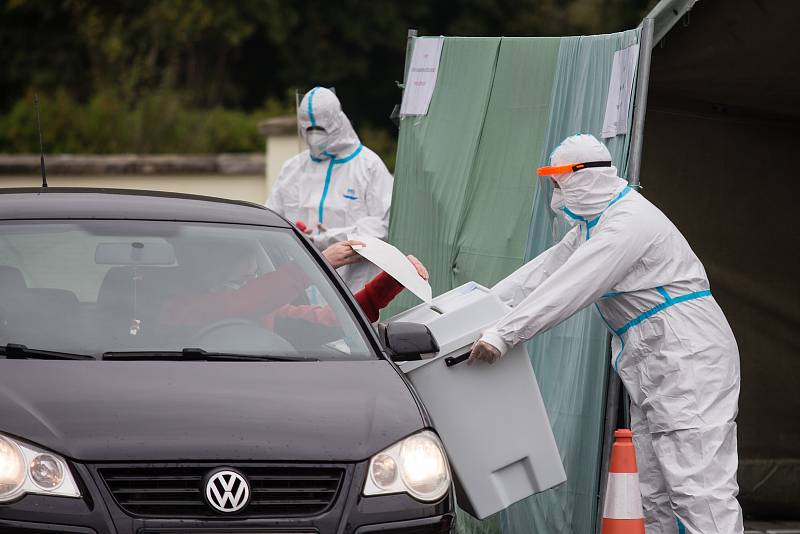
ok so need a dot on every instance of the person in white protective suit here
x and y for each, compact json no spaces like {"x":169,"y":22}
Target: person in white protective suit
{"x":336,"y":188}
{"x":672,"y":346}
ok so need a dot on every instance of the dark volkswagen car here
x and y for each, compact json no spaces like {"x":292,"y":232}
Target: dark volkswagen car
{"x":178,"y":364}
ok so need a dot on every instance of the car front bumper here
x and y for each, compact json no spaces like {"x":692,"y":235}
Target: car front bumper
{"x":98,"y":512}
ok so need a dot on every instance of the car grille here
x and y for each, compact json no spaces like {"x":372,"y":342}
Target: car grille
{"x":441,"y":527}
{"x":175,"y":490}
{"x":427,"y":529}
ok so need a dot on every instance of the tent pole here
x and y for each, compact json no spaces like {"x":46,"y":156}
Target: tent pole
{"x":640,"y":102}
{"x":611,"y":419}
{"x":637,"y":141}
{"x":615,"y":391}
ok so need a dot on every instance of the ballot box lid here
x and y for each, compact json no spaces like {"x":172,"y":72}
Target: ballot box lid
{"x":456,"y":318}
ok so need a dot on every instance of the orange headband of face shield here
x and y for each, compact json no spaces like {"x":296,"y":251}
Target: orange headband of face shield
{"x":572,"y":167}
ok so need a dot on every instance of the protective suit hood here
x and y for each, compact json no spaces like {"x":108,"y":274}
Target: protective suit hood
{"x":338,"y":187}
{"x":320,"y":107}
{"x":586,"y":192}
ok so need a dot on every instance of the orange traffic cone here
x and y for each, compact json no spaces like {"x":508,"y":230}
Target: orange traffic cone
{"x":622,"y":511}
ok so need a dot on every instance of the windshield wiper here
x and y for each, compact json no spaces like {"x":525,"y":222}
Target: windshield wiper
{"x":15,"y":351}
{"x":198,"y":355}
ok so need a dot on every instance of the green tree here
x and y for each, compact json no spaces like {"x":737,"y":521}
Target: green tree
{"x":151,"y":66}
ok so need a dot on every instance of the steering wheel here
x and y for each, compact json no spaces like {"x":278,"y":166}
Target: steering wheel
{"x":234,"y":335}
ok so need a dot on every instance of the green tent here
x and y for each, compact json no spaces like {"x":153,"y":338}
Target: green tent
{"x":468,"y":203}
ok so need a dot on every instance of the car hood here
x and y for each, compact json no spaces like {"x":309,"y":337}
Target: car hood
{"x":129,"y":411}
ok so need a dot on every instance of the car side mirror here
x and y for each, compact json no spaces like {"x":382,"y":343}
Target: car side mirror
{"x":408,"y":341}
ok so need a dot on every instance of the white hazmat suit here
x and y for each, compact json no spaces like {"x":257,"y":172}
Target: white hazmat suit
{"x":671,"y":346}
{"x":337,"y":183}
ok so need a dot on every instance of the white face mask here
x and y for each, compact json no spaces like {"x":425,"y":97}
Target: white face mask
{"x":557,"y":202}
{"x":317,"y":141}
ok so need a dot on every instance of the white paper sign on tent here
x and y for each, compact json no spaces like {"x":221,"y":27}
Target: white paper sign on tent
{"x":620,"y":89}
{"x":394,"y":262}
{"x":422,"y":73}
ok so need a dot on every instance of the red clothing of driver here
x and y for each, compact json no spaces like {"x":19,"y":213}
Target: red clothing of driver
{"x":376,"y":295}
{"x":263,"y":296}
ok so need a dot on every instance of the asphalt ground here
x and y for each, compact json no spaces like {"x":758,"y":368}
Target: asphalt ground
{"x":769,"y":527}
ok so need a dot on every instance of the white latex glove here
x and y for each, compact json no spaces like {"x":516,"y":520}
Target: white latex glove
{"x":483,"y":351}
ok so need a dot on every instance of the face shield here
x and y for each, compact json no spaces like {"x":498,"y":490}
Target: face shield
{"x":555,"y":171}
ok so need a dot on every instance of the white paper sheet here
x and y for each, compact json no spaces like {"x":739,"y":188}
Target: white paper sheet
{"x":620,"y":89}
{"x":422,"y":72}
{"x":394,"y":262}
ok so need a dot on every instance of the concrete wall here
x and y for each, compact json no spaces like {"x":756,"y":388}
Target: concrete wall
{"x":236,"y":176}
{"x":279,"y":149}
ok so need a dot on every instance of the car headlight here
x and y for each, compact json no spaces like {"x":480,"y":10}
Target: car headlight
{"x":25,"y":468}
{"x":417,"y":466}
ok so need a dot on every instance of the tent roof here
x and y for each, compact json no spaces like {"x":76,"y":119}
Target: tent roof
{"x":737,"y":57}
{"x":666,"y":14}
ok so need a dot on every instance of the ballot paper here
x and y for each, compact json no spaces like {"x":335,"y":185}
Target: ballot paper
{"x":620,"y":89}
{"x":422,"y":73}
{"x":394,"y":262}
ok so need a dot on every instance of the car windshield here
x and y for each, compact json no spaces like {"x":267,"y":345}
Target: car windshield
{"x":94,"y":287}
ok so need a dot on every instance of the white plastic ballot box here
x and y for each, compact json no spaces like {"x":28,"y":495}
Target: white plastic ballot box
{"x":491,"y":418}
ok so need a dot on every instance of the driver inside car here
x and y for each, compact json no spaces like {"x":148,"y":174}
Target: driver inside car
{"x":237,"y":290}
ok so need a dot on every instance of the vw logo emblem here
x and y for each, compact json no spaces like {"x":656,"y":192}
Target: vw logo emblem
{"x":227,"y":490}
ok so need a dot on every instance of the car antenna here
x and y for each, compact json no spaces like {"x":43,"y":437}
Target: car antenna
{"x":41,"y":145}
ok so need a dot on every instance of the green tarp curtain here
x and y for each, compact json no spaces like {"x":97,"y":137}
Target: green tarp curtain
{"x":472,"y":158}
{"x":570,"y":360}
{"x":437,"y":153}
{"x":468,"y":204}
